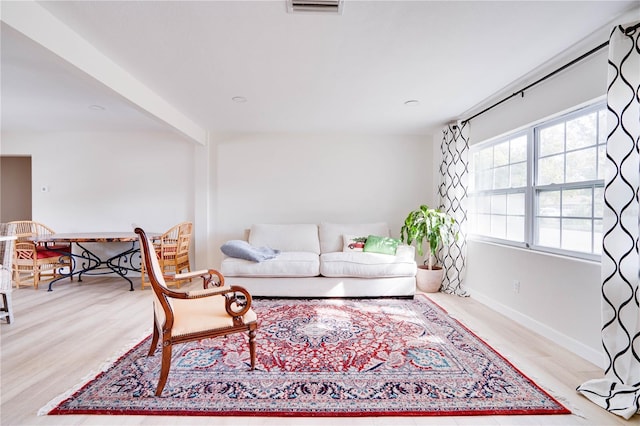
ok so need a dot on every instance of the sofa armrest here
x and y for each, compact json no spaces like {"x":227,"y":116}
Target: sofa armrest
{"x":406,"y":252}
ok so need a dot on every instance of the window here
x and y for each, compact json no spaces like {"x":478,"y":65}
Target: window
{"x":543,"y":187}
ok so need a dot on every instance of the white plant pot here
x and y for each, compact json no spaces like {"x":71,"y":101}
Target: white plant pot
{"x":429,"y":280}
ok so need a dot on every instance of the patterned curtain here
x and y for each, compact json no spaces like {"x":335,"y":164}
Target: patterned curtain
{"x":619,"y":391}
{"x":454,"y":172}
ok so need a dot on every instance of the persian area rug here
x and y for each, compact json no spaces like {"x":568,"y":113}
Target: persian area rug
{"x":374,"y":357}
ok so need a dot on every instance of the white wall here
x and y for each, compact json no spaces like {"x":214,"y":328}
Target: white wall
{"x":559,"y":297}
{"x":315,"y":178}
{"x":108,"y":181}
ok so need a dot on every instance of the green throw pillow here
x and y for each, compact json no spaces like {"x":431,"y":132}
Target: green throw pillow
{"x":384,"y":245}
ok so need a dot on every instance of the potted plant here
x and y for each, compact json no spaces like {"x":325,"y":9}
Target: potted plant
{"x":431,"y":226}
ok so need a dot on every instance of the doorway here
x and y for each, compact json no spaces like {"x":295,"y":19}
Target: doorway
{"x":15,"y":188}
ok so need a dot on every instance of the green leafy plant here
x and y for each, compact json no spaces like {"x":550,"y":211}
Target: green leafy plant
{"x":431,"y":226}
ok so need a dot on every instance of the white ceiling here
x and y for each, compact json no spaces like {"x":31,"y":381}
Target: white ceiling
{"x":308,"y":73}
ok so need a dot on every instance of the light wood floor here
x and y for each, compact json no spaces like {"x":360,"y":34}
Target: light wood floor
{"x":59,"y":337}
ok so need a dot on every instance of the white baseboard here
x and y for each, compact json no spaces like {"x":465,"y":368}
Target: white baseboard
{"x":567,"y":342}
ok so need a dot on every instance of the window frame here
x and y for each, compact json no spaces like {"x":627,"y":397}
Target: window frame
{"x":533,"y":189}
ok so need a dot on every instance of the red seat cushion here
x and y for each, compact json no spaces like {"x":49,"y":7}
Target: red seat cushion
{"x":51,"y":251}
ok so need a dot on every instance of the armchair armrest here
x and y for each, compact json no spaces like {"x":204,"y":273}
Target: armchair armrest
{"x":237,"y":299}
{"x":206,"y":275}
{"x":25,"y":250}
{"x":195,"y":294}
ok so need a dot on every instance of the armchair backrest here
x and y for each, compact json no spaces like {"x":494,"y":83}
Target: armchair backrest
{"x":161,"y":307}
{"x":184,"y":242}
{"x":6,"y":258}
{"x":176,"y":240}
{"x":26,"y":229}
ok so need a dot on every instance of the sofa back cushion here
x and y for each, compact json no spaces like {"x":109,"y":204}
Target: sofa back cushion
{"x":288,"y":237}
{"x":331,"y":234}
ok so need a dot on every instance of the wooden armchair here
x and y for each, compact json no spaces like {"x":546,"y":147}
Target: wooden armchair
{"x":180,"y":317}
{"x":172,"y":249}
{"x":31,"y":259}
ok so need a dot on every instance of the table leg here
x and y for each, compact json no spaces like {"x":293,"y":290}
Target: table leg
{"x":87,"y":262}
{"x":90,"y":261}
{"x":122,"y":263}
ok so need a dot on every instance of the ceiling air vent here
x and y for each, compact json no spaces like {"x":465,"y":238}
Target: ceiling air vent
{"x":323,"y":6}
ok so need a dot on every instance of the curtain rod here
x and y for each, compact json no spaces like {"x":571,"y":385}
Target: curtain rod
{"x":540,"y":80}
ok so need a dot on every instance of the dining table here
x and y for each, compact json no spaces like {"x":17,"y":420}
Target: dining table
{"x":85,"y":260}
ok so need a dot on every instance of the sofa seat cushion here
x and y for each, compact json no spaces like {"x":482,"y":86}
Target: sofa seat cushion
{"x":369,"y":265}
{"x":286,"y":264}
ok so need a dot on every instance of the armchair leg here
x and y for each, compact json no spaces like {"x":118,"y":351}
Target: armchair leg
{"x":252,"y":347}
{"x":7,"y":309}
{"x":154,"y":340}
{"x":164,"y":369}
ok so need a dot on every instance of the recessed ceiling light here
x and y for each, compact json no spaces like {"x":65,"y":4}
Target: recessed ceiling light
{"x":412,"y":102}
{"x":96,"y":107}
{"x":239,"y":99}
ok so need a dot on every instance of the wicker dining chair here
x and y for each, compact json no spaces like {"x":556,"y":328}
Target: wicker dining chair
{"x":185,"y":316}
{"x":31,"y":259}
{"x":172,"y":249}
{"x":6,"y":257}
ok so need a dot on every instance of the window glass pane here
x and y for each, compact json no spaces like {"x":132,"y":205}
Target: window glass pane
{"x":501,"y":154}
{"x":582,"y":131}
{"x":576,"y":202}
{"x":483,"y":224}
{"x":551,"y":140}
{"x":515,"y":228}
{"x":602,"y":126}
{"x":551,"y":170}
{"x":548,"y":232}
{"x":484,"y":180}
{"x":519,"y":149}
{"x":576,"y":234}
{"x":602,"y":161}
{"x":518,"y":175}
{"x":549,"y":203}
{"x":498,"y":226}
{"x":499,"y":204}
{"x":483,"y":204}
{"x":501,"y":177}
{"x":598,"y":202}
{"x":515,"y":204}
{"x":597,"y":236}
{"x":581,"y":165}
{"x":484,"y":159}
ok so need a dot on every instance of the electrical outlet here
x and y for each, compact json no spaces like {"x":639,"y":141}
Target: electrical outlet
{"x":516,"y":286}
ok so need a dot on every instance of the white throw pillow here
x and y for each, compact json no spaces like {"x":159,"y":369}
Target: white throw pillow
{"x":353,"y":243}
{"x":331,"y":233}
{"x":243,"y":250}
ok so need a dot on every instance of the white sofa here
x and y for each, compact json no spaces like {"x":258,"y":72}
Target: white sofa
{"x":312,"y":263}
